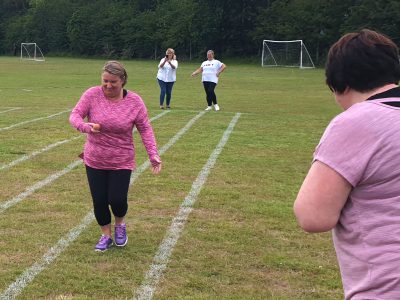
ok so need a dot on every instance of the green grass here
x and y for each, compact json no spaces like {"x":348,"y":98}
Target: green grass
{"x":241,"y":240}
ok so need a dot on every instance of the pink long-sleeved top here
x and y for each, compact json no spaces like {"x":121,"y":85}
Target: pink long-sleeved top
{"x":112,"y":148}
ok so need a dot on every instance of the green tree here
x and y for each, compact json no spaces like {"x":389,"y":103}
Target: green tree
{"x":228,"y":25}
{"x":145,"y":28}
{"x":10,"y":10}
{"x":15,"y":33}
{"x":141,"y":35}
{"x":377,"y":15}
{"x":317,"y":23}
{"x":179,"y":22}
{"x":49,"y":24}
{"x":94,"y":32}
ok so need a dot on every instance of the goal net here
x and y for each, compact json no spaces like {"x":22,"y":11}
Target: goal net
{"x":285,"y":54}
{"x":31,"y":51}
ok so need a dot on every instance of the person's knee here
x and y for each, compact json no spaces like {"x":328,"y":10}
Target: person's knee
{"x":119,"y":208}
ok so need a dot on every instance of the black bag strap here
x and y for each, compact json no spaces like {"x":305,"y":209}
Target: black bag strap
{"x":392,"y":93}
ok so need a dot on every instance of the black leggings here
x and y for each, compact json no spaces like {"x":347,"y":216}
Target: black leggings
{"x":108,"y":188}
{"x":209,"y":87}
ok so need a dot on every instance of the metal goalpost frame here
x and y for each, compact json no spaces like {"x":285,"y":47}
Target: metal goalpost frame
{"x":303,"y":46}
{"x":266,"y":48}
{"x":270,"y":52}
{"x":31,"y":56}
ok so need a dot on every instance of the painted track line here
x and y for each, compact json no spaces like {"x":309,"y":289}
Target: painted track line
{"x":160,"y":260}
{"x":51,"y":146}
{"x":34,"y":120}
{"x":10,"y":109}
{"x":172,"y":141}
{"x":33,"y":188}
{"x":34,"y":153}
{"x":15,"y":288}
{"x":29,"y":274}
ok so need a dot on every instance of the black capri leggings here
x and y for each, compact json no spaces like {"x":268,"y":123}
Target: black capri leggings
{"x":209,"y":87}
{"x":108,"y":188}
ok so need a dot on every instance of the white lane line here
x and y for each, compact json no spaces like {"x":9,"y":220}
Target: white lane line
{"x":172,"y":141}
{"x":51,"y":146}
{"x":29,"y":274}
{"x":33,"y":188}
{"x":11,"y":109}
{"x":159,"y":115}
{"x":15,"y":288}
{"x":33,"y":154}
{"x":34,"y":120}
{"x":160,"y":260}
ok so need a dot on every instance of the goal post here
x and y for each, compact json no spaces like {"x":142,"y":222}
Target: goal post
{"x":31,"y":51}
{"x":285,"y":54}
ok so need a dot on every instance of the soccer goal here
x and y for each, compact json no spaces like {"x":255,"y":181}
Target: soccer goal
{"x":31,"y":51}
{"x":285,"y":54}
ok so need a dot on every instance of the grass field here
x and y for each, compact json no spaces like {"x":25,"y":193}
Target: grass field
{"x":240,"y":240}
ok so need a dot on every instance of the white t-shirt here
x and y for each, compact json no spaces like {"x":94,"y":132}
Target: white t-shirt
{"x":210,"y":70}
{"x":167,"y":73}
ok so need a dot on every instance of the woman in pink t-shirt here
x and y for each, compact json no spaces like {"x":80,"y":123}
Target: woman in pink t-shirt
{"x":109,"y":152}
{"x":353,"y":185}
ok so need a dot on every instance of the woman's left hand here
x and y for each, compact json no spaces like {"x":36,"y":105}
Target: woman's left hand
{"x":156,"y":164}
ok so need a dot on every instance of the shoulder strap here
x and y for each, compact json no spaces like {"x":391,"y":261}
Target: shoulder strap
{"x":392,"y":93}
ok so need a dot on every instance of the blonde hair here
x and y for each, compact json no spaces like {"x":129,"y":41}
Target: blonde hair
{"x":173,"y":52}
{"x":116,"y":68}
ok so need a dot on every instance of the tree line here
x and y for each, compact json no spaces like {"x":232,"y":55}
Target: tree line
{"x":145,"y":28}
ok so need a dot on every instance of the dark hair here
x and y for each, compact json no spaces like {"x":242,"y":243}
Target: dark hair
{"x":362,"y":61}
{"x":116,"y":68}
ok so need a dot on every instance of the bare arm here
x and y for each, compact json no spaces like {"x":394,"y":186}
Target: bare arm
{"x":223,"y":67}
{"x":173,"y":65}
{"x":321,"y":198}
{"x":199,"y":70}
{"x":162,"y":63}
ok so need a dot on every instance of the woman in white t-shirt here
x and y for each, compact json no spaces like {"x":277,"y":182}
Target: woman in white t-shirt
{"x":166,"y":76}
{"x":210,"y":69}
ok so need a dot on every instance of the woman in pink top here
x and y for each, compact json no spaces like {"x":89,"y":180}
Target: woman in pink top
{"x":353,"y":185}
{"x":109,"y":152}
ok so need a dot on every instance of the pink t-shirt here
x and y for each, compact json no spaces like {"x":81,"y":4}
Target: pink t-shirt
{"x":113,"y":147}
{"x":363,"y":145}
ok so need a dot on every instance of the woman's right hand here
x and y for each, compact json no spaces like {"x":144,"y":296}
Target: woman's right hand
{"x":94,"y":127}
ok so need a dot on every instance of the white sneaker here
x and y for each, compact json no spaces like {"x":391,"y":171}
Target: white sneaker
{"x":209,"y":108}
{"x":216,"y":107}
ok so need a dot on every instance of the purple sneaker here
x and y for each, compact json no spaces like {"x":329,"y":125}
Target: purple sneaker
{"x":120,"y":235}
{"x":104,"y":243}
